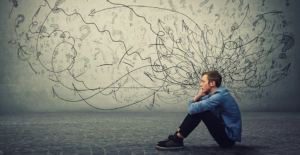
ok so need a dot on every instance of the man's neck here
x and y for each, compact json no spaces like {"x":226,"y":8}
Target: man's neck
{"x":212,"y":90}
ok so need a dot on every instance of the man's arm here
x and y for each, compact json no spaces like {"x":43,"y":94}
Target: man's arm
{"x":206,"y":104}
{"x":199,"y":96}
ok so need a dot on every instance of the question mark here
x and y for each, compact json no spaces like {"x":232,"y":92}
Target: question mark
{"x":288,"y":42}
{"x":20,"y":21}
{"x":95,"y":55}
{"x":87,"y":33}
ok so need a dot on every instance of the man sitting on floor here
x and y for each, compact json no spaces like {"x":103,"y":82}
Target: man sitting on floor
{"x":216,"y":108}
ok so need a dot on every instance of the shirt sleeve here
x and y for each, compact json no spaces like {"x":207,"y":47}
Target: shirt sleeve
{"x":203,"y":98}
{"x":205,"y":104}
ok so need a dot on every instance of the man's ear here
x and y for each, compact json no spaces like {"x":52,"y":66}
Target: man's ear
{"x":213,"y":83}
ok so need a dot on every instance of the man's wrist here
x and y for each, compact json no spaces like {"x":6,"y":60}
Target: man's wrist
{"x":198,"y":97}
{"x":201,"y":95}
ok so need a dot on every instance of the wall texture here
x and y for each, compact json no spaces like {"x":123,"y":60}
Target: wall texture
{"x":133,"y":55}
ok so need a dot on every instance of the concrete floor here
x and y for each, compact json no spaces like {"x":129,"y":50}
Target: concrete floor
{"x":137,"y":133}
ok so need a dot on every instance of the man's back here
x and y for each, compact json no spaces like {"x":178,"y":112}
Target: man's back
{"x":223,"y":105}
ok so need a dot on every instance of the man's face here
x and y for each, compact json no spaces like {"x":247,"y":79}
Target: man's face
{"x":205,"y":86}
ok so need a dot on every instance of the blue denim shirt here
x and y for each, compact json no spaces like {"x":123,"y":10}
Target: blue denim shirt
{"x":223,"y":105}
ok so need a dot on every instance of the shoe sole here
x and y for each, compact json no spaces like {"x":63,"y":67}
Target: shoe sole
{"x":169,"y":148}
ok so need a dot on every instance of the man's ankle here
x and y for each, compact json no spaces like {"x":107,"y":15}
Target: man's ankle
{"x":180,"y":136}
{"x":177,"y":139}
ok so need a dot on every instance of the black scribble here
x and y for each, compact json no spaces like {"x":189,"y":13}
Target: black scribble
{"x":31,"y":67}
{"x":15,"y":5}
{"x":138,"y":54}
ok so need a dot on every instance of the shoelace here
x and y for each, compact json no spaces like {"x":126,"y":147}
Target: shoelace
{"x":169,"y":138}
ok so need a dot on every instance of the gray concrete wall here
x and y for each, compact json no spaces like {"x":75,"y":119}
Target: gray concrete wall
{"x":132,"y":55}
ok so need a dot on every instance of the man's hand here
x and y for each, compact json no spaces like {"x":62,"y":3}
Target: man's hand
{"x":199,"y":96}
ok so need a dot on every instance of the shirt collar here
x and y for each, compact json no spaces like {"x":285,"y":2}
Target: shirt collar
{"x":219,"y":89}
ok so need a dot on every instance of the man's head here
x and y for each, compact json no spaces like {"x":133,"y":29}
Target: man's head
{"x":213,"y":76}
{"x":211,"y":80}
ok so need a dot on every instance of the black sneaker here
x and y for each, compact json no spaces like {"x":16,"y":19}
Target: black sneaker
{"x":170,"y":145}
{"x":169,"y":138}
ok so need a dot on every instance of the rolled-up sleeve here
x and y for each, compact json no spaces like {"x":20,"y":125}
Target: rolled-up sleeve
{"x":204,"y":104}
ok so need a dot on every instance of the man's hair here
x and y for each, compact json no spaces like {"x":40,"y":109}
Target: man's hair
{"x":213,"y":76}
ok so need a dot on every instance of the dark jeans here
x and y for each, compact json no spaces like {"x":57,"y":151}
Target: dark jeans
{"x":213,"y":124}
